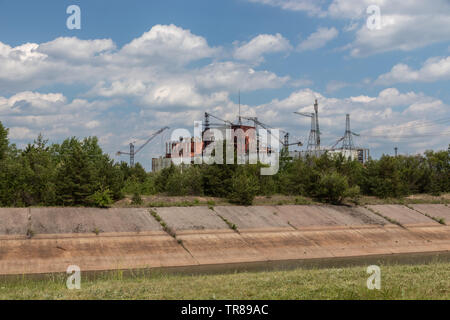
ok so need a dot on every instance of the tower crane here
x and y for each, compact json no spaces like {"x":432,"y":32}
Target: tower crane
{"x":207,"y":115}
{"x":285,"y":142}
{"x":133,"y":152}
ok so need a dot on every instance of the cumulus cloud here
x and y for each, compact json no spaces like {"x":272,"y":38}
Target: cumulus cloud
{"x":28,"y":102}
{"x":75,"y":49}
{"x":405,"y":25}
{"x":318,"y":39}
{"x":434,"y":69}
{"x":254,"y":50}
{"x":151,"y":82}
{"x":168,"y":43}
{"x":233,"y":76}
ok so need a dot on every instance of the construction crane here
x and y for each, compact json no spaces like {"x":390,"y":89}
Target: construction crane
{"x":133,"y":152}
{"x":314,"y":134}
{"x":208,"y":124}
{"x":285,"y":142}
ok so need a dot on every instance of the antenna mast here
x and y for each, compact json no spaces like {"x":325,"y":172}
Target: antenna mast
{"x":240,"y":120}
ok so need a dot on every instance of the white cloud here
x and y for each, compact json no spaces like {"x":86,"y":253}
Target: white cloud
{"x":32,"y":103}
{"x":76,"y":49}
{"x":21,"y":133}
{"x":405,"y":25}
{"x":318,"y":39}
{"x":434,"y":69}
{"x":92,"y":124}
{"x":233,"y":76}
{"x":168,"y":43}
{"x":254,"y":50}
{"x":334,"y":86}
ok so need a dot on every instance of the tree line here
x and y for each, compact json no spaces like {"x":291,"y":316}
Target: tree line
{"x":78,"y":173}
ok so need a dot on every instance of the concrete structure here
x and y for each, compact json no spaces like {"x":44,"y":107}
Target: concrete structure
{"x":274,"y":235}
{"x":402,"y":215}
{"x":191,"y":218}
{"x":13,"y":221}
{"x":437,"y":211}
{"x":89,"y":220}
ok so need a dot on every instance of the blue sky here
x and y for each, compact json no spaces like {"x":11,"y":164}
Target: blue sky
{"x":136,"y":66}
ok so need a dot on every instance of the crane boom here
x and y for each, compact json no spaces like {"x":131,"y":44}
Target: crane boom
{"x":256,"y":121}
{"x":310,"y":115}
{"x":151,"y":138}
{"x":132,"y":152}
{"x":217,"y":118}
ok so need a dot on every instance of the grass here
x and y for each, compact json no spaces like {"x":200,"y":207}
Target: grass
{"x":161,"y":200}
{"x":413,"y":199}
{"x":428,"y":281}
{"x":163,"y":224}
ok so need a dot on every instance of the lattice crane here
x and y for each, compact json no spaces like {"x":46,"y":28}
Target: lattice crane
{"x":133,"y":152}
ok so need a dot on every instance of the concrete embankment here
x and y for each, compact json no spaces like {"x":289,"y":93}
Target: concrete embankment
{"x":44,"y":240}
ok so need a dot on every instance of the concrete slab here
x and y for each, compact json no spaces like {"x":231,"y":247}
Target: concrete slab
{"x":256,"y":217}
{"x":91,"y":253}
{"x":191,"y":218}
{"x":89,"y":220}
{"x":354,"y":216}
{"x":437,"y":211}
{"x":305,"y":216}
{"x":308,"y":216}
{"x":13,"y":221}
{"x":285,"y":245}
{"x":432,"y":233}
{"x":322,"y":232}
{"x":402,"y":214}
{"x":220,"y":248}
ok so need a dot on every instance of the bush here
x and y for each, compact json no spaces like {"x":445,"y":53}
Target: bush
{"x":334,"y":188}
{"x":101,"y":198}
{"x":244,"y":188}
{"x":136,"y":199}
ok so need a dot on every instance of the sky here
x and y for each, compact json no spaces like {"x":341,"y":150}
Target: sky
{"x":136,"y":66}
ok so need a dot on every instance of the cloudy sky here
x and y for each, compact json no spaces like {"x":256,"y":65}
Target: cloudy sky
{"x":135,"y":66}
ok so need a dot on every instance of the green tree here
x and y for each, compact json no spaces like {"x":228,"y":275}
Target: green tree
{"x":244,"y":187}
{"x":4,"y":142}
{"x":334,"y":188}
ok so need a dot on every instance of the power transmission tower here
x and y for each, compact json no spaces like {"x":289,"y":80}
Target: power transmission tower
{"x":347,"y":139}
{"x":314,"y":134}
{"x":132,"y":155}
{"x":312,"y":140}
{"x":347,"y":142}
{"x":316,"y":110}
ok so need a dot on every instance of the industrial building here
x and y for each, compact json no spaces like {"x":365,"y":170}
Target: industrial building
{"x":194,"y":148}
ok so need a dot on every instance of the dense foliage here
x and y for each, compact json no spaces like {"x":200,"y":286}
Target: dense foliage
{"x":73,"y":173}
{"x":78,"y":173}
